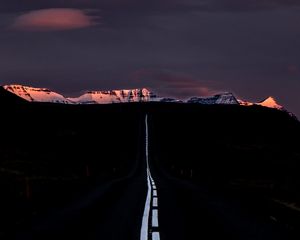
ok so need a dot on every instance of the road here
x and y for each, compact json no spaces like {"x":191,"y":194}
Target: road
{"x":149,"y":204}
{"x":150,"y":225}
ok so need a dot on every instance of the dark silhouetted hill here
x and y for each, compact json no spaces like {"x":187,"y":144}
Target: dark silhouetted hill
{"x":61,"y":150}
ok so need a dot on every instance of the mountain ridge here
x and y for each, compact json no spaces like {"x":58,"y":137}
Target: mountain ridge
{"x":115,"y":96}
{"x":33,"y":94}
{"x":269,"y":102}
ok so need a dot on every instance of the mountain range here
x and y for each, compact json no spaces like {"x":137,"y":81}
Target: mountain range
{"x":33,"y":94}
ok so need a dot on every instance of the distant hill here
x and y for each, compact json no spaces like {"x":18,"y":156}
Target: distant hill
{"x":33,"y":94}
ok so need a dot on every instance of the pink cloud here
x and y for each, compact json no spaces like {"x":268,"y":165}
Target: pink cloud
{"x":54,"y":19}
{"x":172,"y":84}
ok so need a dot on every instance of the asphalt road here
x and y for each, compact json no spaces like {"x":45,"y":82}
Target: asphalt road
{"x":150,"y":204}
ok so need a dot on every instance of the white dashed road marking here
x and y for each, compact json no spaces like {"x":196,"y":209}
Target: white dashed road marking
{"x":151,"y":188}
{"x":155,"y":236}
{"x":154,"y":203}
{"x":154,"y":218}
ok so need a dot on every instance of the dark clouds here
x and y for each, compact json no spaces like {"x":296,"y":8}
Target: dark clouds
{"x":176,"y":47}
{"x":236,"y":5}
{"x":155,"y":5}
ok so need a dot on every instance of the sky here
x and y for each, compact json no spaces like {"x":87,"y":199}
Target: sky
{"x":177,"y":48}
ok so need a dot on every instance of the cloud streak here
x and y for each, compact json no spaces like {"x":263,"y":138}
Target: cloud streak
{"x":157,"y":6}
{"x":172,"y":84}
{"x":229,"y":5}
{"x":55,"y":19}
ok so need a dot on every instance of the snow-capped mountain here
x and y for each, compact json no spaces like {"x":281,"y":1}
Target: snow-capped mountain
{"x":32,"y":94}
{"x":115,"y":96}
{"x":245,"y":103}
{"x":225,"y":98}
{"x":269,"y":102}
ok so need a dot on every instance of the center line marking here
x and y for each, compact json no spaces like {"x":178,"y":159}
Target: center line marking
{"x":150,"y":186}
{"x":154,"y":218}
{"x":154,"y":203}
{"x":155,"y":236}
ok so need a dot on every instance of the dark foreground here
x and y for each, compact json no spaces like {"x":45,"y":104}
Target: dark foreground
{"x":80,"y":171}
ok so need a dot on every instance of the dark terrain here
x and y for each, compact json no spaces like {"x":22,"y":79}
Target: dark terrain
{"x":71,"y":171}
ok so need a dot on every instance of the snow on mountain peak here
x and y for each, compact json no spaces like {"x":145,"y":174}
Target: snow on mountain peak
{"x":245,"y":103}
{"x":270,"y":102}
{"x":224,"y":98}
{"x":32,"y":94}
{"x":115,"y":96}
